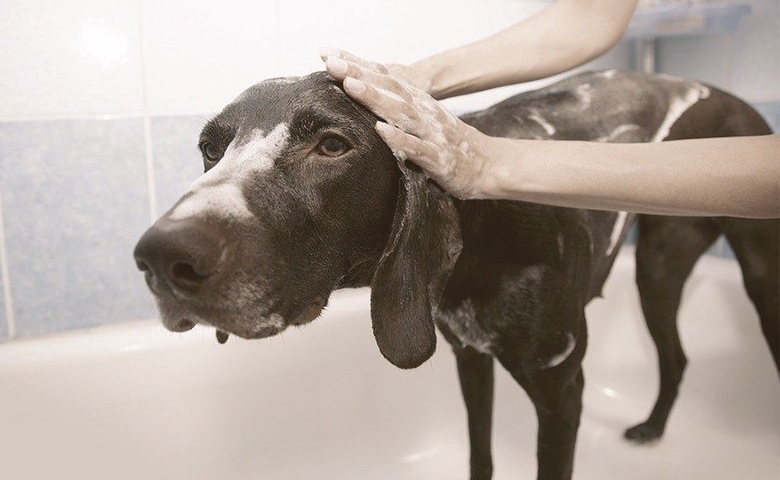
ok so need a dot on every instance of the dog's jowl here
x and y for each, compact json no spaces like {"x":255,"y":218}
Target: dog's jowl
{"x":300,"y":197}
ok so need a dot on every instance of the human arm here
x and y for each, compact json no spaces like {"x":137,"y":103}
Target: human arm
{"x":558,"y":38}
{"x":737,"y":176}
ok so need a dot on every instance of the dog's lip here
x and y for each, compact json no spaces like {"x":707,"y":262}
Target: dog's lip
{"x":179,"y":325}
{"x":306,"y":315}
{"x":311,"y":311}
{"x":264,"y":332}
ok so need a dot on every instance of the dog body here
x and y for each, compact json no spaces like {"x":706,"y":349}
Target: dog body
{"x":301,"y":197}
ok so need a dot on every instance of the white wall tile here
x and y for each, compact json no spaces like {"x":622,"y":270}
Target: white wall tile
{"x":426,"y":27}
{"x":363,"y":28}
{"x":69,"y":58}
{"x":97,"y":57}
{"x":200,"y":55}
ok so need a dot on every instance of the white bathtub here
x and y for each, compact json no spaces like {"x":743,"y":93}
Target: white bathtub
{"x":137,"y":402}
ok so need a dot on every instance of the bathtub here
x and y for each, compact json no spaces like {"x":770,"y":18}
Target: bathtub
{"x":138,"y":402}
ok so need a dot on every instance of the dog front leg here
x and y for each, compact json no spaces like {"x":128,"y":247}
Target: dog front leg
{"x":557,"y":396}
{"x":475,"y":371}
{"x":558,"y":409}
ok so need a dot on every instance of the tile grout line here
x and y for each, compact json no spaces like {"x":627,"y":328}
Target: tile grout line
{"x":5,"y":275}
{"x":151,"y":183}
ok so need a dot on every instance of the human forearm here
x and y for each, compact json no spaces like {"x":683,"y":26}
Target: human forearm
{"x":737,"y":176}
{"x":558,"y":38}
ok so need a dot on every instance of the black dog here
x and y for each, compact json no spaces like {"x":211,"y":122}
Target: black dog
{"x":301,"y":197}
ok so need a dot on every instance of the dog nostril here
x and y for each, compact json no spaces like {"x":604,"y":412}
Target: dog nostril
{"x":142,"y":266}
{"x":184,"y":275}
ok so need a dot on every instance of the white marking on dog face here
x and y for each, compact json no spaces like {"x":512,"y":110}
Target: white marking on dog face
{"x":561,"y":357}
{"x":608,"y":74}
{"x":617,"y":229}
{"x":219,"y":191}
{"x":548,"y":128}
{"x":225,"y":199}
{"x":678,"y":106}
{"x":274,"y":321}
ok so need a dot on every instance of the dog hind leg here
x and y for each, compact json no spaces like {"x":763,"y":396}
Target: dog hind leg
{"x":756,"y":243}
{"x":667,"y":250}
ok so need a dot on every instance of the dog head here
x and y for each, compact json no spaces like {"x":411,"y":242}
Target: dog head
{"x":300,"y":197}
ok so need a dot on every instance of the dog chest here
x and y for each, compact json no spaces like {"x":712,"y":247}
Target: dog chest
{"x":461,"y":322}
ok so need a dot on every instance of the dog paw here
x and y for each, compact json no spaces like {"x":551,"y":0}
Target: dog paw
{"x":644,"y":433}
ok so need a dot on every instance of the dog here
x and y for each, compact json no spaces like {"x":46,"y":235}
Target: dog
{"x":300,"y":197}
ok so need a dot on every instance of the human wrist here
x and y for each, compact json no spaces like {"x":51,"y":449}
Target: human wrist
{"x":488,"y":170}
{"x":507,"y":173}
{"x":444,"y":72}
{"x":429,"y":69}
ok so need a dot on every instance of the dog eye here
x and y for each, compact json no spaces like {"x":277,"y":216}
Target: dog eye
{"x":332,"y":146}
{"x":210,"y":151}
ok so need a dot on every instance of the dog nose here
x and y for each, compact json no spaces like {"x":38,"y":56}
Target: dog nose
{"x":179,"y":255}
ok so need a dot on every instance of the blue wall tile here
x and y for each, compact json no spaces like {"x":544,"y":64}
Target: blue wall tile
{"x":771,"y":113}
{"x":177,"y":161}
{"x":74,"y":201}
{"x":3,"y":319}
{"x":4,"y":333}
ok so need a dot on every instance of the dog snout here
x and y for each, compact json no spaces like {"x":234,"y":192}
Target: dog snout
{"x":179,"y":256}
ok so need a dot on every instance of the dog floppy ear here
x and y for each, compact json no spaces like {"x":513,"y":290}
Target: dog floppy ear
{"x":413,"y":270}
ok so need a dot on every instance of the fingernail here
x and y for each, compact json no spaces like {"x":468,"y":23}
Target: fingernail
{"x":336,"y":65}
{"x":326,"y":52}
{"x":354,"y":85}
{"x":384,"y":129}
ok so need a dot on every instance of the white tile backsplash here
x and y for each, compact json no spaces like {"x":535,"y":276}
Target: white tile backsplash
{"x":77,"y":57}
{"x":99,"y":57}
{"x":201,"y":55}
{"x":365,"y":29}
{"x":425,"y":27}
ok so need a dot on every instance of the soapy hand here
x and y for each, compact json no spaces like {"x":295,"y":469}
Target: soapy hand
{"x":418,"y":127}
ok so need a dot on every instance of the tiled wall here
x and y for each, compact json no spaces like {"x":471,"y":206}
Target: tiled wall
{"x":101,"y":103}
{"x":74,"y":196}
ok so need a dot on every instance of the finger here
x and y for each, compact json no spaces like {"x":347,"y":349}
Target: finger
{"x":341,"y":69}
{"x":384,"y":104}
{"x":407,"y":146}
{"x":346,"y":56}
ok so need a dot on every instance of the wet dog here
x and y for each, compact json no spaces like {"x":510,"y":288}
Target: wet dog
{"x":301,"y":197}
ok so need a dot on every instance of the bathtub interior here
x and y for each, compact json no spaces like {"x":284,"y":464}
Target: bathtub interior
{"x":319,"y":402}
